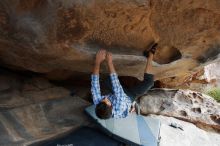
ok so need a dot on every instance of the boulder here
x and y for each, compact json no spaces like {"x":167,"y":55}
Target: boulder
{"x":41,"y":121}
{"x":187,"y":105}
{"x":33,"y":109}
{"x":61,"y":37}
{"x":17,"y":90}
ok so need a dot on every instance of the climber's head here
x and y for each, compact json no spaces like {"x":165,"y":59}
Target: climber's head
{"x":104,"y":109}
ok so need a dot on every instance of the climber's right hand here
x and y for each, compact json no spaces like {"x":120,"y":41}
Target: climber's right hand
{"x":100,"y":56}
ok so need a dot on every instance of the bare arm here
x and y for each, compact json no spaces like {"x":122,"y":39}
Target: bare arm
{"x":100,"y":57}
{"x":96,"y":69}
{"x":111,"y":67}
{"x":110,"y":63}
{"x":95,"y":86}
{"x":117,"y":88}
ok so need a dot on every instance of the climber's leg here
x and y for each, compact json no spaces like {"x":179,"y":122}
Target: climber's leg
{"x":143,"y":87}
{"x":148,"y":81}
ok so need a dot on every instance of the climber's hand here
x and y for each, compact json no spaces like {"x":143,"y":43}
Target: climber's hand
{"x":100,"y":56}
{"x":132,"y":109}
{"x":109,"y":58}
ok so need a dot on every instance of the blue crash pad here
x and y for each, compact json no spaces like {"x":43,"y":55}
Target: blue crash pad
{"x":134,"y":129}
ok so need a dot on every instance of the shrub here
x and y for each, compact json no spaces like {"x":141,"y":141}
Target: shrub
{"x":215,"y":93}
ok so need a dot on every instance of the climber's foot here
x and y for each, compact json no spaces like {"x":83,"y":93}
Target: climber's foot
{"x":152,"y":50}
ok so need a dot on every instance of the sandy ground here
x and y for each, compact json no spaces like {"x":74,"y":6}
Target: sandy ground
{"x":190,"y":136}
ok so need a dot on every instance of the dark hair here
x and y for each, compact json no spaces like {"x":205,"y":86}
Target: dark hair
{"x":103,"y":111}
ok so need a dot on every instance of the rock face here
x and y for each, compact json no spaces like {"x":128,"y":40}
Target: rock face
{"x":32,"y":109}
{"x":61,"y":37}
{"x":186,"y":105}
{"x":208,"y":79}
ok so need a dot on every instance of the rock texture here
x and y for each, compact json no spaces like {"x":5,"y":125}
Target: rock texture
{"x":201,"y":80}
{"x":32,"y":109}
{"x":206,"y":80}
{"x":61,"y":37}
{"x":16,"y":90}
{"x":186,"y":105}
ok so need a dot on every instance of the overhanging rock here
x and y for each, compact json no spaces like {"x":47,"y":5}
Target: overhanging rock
{"x":62,"y":36}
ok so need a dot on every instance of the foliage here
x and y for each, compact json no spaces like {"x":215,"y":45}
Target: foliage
{"x":215,"y":93}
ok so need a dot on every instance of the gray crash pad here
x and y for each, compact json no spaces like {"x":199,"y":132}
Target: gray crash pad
{"x":134,"y":129}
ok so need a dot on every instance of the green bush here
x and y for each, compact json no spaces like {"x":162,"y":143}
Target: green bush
{"x":215,"y":93}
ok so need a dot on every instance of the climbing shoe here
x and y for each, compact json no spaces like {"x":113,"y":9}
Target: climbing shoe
{"x":153,"y":49}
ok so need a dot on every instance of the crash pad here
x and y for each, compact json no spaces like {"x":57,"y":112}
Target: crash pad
{"x":134,"y":129}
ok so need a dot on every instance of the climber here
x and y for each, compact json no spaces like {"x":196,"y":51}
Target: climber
{"x":120,"y":101}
